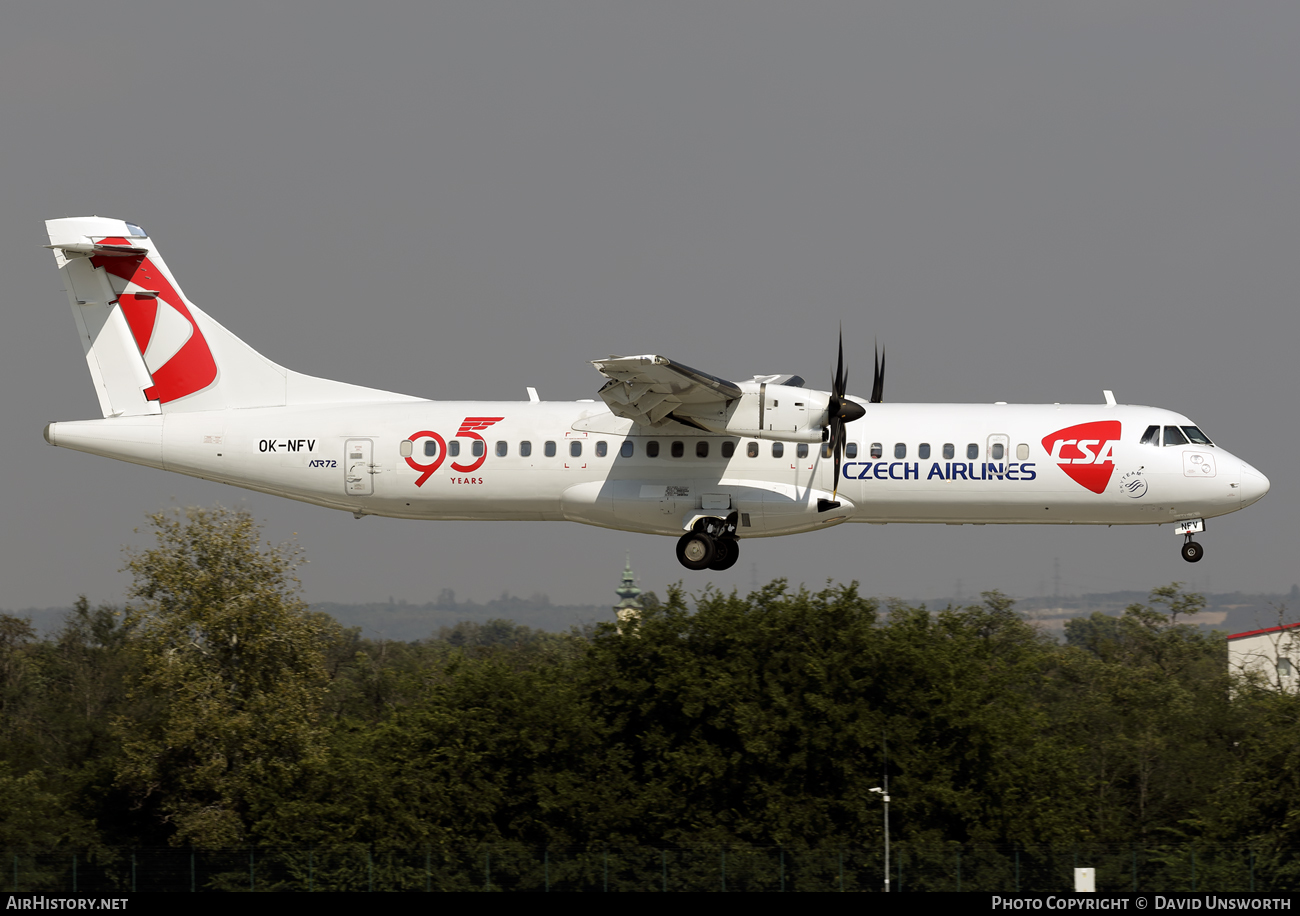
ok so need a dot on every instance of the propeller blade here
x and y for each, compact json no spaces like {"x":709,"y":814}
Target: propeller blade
{"x":878,"y":385}
{"x":837,"y":452}
{"x":836,"y":406}
{"x":835,"y":489}
{"x":839,"y":384}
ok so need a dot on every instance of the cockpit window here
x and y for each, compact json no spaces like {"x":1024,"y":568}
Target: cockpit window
{"x":1174,"y":436}
{"x":1151,"y":436}
{"x":1197,"y":437}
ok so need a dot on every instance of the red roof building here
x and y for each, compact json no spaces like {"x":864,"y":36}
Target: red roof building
{"x":1271,"y":654}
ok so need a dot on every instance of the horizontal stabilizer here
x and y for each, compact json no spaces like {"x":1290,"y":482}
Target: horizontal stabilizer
{"x":91,"y":247}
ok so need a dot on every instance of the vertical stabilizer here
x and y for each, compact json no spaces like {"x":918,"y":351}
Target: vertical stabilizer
{"x":149,"y":349}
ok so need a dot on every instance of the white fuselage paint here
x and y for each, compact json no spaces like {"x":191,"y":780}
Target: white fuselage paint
{"x":300,"y":453}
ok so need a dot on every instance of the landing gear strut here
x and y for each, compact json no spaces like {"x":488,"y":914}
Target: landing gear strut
{"x":710,"y":544}
{"x":1191,"y":551}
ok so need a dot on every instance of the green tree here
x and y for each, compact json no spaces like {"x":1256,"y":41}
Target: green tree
{"x":963,"y":695}
{"x":749,"y":720}
{"x":17,"y":690}
{"x":34,"y":818}
{"x":232,"y":668}
{"x":51,"y":718}
{"x":1146,"y":699}
{"x":1256,"y":799}
{"x":85,"y":669}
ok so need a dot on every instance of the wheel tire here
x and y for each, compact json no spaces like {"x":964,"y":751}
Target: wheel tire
{"x":726,"y":553}
{"x":1192,"y":552}
{"x":696,"y":550}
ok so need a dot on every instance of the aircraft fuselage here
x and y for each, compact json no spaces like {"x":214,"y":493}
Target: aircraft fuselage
{"x":937,"y":463}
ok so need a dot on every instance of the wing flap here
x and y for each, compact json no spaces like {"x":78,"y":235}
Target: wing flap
{"x":647,"y":389}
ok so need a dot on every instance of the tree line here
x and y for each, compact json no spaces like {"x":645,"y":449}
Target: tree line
{"x":216,"y":710}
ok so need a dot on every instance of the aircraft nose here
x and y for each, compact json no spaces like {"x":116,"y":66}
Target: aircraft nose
{"x":1253,"y":485}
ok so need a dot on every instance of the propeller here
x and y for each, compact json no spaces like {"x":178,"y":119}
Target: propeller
{"x":840,"y":410}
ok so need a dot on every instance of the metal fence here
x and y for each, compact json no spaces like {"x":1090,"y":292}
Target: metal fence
{"x":518,"y":867}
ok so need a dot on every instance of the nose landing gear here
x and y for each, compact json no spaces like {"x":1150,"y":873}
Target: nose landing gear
{"x":1191,"y":551}
{"x":710,"y":544}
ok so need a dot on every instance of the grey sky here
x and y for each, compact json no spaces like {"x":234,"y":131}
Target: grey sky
{"x":1023,"y":201}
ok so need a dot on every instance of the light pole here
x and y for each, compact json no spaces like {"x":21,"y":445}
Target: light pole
{"x":884,"y":793}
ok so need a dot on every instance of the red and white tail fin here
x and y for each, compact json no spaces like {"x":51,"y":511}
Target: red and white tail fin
{"x":150,"y":350}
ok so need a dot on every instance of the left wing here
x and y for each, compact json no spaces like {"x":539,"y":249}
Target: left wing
{"x":649,"y":389}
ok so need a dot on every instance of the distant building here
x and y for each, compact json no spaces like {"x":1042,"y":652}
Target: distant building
{"x":629,"y":609}
{"x":1271,"y":653}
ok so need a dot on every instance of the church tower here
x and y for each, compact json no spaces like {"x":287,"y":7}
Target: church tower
{"x":629,"y":608}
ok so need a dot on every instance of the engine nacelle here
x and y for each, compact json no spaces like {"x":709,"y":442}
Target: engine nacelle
{"x":769,"y":411}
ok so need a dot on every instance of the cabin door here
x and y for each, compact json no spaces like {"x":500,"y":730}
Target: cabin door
{"x":359,"y":467}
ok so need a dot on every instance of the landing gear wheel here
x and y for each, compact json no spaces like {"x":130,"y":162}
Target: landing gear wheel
{"x":727,"y":552}
{"x":1192,"y":552}
{"x":696,"y":550}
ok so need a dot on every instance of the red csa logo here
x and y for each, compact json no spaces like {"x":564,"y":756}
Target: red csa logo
{"x":174,"y":350}
{"x":468,"y":430}
{"x":1086,"y":452}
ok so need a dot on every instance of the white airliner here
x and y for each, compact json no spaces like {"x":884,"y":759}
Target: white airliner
{"x":668,"y":450}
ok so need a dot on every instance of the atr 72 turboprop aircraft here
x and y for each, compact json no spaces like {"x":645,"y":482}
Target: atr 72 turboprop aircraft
{"x":670,"y":451}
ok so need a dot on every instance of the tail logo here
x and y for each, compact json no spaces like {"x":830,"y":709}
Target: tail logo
{"x":170,"y":342}
{"x":1086,"y":452}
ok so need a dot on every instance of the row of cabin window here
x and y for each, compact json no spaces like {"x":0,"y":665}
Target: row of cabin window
{"x":1175,"y":435}
{"x":677,"y":449}
{"x":503,"y":448}
{"x":997,"y":451}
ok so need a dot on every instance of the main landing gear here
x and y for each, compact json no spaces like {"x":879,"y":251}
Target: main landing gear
{"x":710,"y":544}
